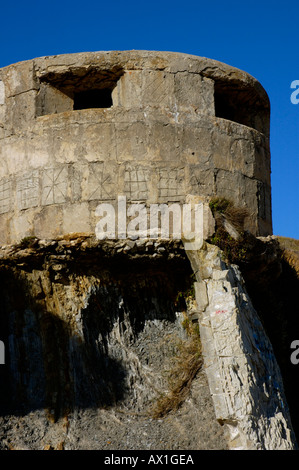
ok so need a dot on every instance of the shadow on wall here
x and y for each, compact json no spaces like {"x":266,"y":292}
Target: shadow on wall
{"x":273,"y":289}
{"x":50,"y":366}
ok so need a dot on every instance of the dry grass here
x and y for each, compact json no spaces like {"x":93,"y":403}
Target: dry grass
{"x":289,"y":243}
{"x":235,"y":215}
{"x":186,"y":364}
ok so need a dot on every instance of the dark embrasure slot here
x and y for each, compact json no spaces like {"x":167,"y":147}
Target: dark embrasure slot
{"x":93,"y":99}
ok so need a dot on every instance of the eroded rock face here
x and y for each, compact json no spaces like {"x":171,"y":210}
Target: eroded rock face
{"x":91,"y":330}
{"x":243,"y":373}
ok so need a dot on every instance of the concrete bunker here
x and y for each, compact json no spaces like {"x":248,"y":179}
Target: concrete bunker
{"x":181,"y":126}
{"x":80,"y":129}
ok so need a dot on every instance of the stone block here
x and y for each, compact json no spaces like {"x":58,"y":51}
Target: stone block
{"x":200,"y":181}
{"x":157,"y":88}
{"x":51,"y":100}
{"x":196,"y":144}
{"x":194,"y":91}
{"x":27,"y":187}
{"x":20,"y":78}
{"x":98,"y":141}
{"x":101,"y":181}
{"x":2,"y":93}
{"x":131,"y":141}
{"x":20,"y":109}
{"x":40,"y":223}
{"x":128,"y":92}
{"x":201,"y":295}
{"x":76,"y":218}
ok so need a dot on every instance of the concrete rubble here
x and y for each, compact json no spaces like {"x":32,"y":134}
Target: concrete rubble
{"x":243,"y":374}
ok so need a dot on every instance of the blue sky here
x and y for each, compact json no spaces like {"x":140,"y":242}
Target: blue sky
{"x":260,"y":37}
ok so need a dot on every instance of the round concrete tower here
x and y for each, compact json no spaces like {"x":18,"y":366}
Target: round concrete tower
{"x":80,"y":129}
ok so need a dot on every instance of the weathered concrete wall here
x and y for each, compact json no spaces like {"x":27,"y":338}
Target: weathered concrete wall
{"x":167,"y":125}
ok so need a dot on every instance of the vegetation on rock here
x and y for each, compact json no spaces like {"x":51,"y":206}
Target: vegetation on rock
{"x":187,"y":362}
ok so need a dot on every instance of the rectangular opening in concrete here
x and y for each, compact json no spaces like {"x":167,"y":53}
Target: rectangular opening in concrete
{"x":76,"y":90}
{"x":93,"y":99}
{"x":240,"y":105}
{"x":223,"y":106}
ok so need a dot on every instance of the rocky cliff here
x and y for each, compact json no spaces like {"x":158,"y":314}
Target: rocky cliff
{"x":92,"y":332}
{"x":135,"y":344}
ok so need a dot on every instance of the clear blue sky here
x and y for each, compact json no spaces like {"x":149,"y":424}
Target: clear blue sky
{"x":260,"y":37}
